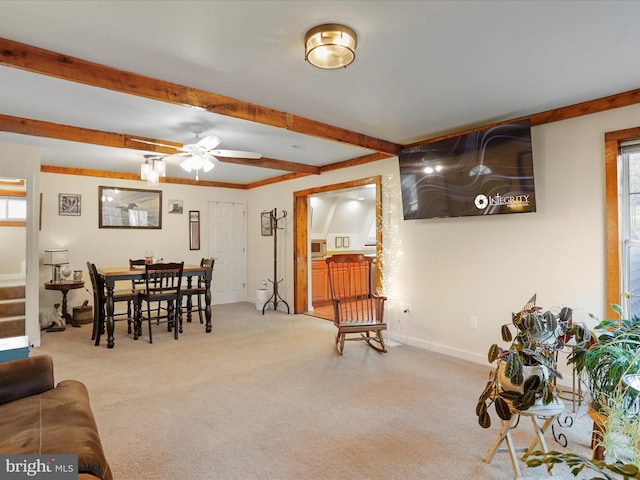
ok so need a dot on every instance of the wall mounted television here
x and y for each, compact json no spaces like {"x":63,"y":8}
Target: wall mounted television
{"x":485,"y":172}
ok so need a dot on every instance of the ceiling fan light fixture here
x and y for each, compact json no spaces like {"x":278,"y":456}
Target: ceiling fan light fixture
{"x":207,"y":165}
{"x":187,"y":164}
{"x":330,"y":46}
{"x":145,"y":168}
{"x":151,"y":172}
{"x":153,"y":179}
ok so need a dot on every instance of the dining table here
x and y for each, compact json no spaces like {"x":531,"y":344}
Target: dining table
{"x":111,"y":275}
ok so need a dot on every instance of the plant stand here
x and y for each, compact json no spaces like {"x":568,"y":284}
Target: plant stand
{"x":548,"y":413}
{"x":275,"y":298}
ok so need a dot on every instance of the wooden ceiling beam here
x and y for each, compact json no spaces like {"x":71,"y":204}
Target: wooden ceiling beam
{"x":85,"y":172}
{"x":38,"y":128}
{"x":274,"y":164}
{"x":45,"y":62}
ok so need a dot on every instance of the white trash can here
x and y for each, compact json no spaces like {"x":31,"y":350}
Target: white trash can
{"x":262,"y":295}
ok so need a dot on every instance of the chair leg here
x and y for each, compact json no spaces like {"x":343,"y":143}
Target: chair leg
{"x":340,"y":342}
{"x":200,"y":308}
{"x":149,"y":321}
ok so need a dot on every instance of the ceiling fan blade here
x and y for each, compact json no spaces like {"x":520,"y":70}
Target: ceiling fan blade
{"x":234,"y":154}
{"x":176,"y":156}
{"x":154,"y":143}
{"x":209,"y":142}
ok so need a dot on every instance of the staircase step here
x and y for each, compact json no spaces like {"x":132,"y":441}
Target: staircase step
{"x":12,"y":327}
{"x":12,"y":308}
{"x":11,"y":292}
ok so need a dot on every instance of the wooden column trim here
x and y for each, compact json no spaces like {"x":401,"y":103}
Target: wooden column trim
{"x":611,"y":150}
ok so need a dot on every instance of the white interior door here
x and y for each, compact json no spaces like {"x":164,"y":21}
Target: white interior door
{"x":227,"y":245}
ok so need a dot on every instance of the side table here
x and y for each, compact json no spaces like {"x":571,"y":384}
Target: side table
{"x":64,"y":286}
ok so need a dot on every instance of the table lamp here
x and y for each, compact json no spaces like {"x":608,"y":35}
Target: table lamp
{"x":56,"y":257}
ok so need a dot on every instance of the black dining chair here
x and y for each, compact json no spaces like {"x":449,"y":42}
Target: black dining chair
{"x":100,"y":304}
{"x":162,"y":284}
{"x":198,"y":291}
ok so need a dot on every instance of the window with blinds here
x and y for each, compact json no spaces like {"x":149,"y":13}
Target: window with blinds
{"x":630,"y":225}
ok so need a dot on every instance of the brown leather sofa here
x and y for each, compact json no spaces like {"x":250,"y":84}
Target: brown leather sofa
{"x":37,"y":417}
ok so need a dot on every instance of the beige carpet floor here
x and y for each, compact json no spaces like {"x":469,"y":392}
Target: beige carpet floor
{"x":268,"y":397}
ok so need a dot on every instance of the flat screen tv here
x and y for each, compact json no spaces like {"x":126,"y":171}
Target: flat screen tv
{"x":485,"y":172}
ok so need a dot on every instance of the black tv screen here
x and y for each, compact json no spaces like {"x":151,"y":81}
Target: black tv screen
{"x":485,"y":172}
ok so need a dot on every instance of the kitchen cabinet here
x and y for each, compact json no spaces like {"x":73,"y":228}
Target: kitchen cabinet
{"x":319,"y":283}
{"x":320,"y":291}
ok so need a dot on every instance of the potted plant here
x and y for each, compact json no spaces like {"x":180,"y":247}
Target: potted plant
{"x":602,"y":363}
{"x":620,"y":437}
{"x":524,"y":372}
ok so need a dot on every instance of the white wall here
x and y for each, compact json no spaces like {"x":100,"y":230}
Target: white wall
{"x":113,"y":247}
{"x":486,"y":267}
{"x":19,"y":161}
{"x":446,"y":269}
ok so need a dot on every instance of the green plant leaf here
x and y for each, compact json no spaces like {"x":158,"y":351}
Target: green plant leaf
{"x":532,"y":383}
{"x":494,"y":351}
{"x":486,"y":393}
{"x":550,"y":321}
{"x":617,"y":308}
{"x":510,"y":365}
{"x":502,"y":409}
{"x":566,"y":315}
{"x":484,"y":420}
{"x":481,"y":408}
{"x":511,"y":395}
{"x":529,"y":399}
{"x":506,"y":334}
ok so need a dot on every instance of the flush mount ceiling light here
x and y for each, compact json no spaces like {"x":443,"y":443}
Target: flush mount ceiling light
{"x":330,"y":46}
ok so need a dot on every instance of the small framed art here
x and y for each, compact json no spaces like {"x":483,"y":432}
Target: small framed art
{"x":266,"y":225}
{"x":69,"y":204}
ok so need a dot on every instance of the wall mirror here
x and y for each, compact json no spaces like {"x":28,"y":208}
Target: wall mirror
{"x":194,"y":230}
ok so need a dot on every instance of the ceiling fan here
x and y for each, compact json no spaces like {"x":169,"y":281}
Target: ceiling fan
{"x":200,"y":153}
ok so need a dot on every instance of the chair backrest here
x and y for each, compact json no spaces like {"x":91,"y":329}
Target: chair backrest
{"x":163,"y":279}
{"x":97,"y":284}
{"x":134,"y":264}
{"x":350,"y":288}
{"x":205,"y":262}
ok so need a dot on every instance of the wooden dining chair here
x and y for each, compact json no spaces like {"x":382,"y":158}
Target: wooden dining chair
{"x":136,"y":283}
{"x":100,"y":304}
{"x":198,"y":291}
{"x":162,"y":284}
{"x":357,"y":310}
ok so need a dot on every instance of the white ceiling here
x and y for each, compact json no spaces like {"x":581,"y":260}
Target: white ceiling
{"x":423,"y":68}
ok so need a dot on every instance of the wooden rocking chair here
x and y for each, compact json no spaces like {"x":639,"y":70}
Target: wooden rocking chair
{"x":357,"y":310}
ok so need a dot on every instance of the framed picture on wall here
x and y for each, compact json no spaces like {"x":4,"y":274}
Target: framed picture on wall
{"x":69,"y":204}
{"x":175,"y":206}
{"x":266,"y":225}
{"x":129,"y":208}
{"x":194,"y":229}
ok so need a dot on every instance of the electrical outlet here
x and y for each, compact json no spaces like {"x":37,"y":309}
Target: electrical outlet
{"x":473,"y":322}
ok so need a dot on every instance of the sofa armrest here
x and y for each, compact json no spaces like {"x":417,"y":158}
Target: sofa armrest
{"x":25,"y":377}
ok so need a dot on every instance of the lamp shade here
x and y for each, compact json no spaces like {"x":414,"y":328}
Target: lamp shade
{"x":59,"y":256}
{"x":330,"y":46}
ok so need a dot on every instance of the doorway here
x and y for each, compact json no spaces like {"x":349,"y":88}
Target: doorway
{"x":227,"y":246}
{"x":301,"y":236}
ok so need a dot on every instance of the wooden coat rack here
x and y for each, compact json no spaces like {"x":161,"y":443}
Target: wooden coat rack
{"x":275,"y":298}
